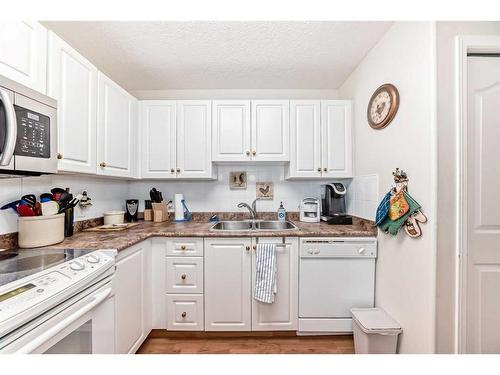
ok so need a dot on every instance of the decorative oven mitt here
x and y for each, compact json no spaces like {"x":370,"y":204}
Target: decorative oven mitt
{"x":393,"y":226}
{"x":399,"y":206}
{"x":383,"y":209}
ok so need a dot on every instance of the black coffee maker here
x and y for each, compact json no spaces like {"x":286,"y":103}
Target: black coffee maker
{"x":333,"y":207}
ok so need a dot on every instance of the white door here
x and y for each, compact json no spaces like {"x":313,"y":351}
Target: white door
{"x":194,"y":139}
{"x":270,"y":130}
{"x":231,"y":130}
{"x":23,"y":53}
{"x":116,"y":120}
{"x":336,"y":138}
{"x":72,"y":81}
{"x":158,"y":122}
{"x":129,"y":287}
{"x":483,"y":206}
{"x":282,"y":314}
{"x":228,"y":263}
{"x":305,"y":139}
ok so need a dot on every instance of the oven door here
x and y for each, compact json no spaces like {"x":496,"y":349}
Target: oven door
{"x":84,"y":327}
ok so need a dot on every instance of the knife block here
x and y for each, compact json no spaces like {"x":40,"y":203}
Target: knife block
{"x":160,"y":212}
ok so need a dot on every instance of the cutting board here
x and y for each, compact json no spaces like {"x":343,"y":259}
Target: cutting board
{"x":111,"y":228}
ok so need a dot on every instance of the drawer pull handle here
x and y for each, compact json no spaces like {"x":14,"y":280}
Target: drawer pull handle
{"x":184,"y":314}
{"x":183,"y":247}
{"x":183,"y":277}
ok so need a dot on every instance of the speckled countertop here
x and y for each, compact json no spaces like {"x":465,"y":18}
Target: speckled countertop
{"x":122,"y":239}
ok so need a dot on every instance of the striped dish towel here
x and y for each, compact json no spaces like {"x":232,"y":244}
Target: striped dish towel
{"x":265,"y":275}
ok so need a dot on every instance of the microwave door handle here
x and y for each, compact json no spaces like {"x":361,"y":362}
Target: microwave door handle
{"x":10,"y":131}
{"x":63,"y":324}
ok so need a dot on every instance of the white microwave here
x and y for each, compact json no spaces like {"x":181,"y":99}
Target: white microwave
{"x":28,"y":130}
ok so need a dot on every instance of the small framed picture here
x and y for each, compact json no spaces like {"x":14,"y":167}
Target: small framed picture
{"x":264,"y":190}
{"x":237,"y":180}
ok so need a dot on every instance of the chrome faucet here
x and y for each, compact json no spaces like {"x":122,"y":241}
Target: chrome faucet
{"x":252,"y":209}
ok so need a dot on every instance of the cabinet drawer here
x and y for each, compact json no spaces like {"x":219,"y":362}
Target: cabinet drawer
{"x":185,"y":312}
{"x":185,"y":247}
{"x":184,"y":275}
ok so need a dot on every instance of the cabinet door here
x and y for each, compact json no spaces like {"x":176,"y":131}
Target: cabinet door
{"x":336,"y":138}
{"x":23,"y":53}
{"x":231,"y":130}
{"x":72,"y":81}
{"x":129,"y":287}
{"x":158,"y":138}
{"x":227,"y":284}
{"x":270,"y":130}
{"x":305,"y":139}
{"x":194,"y":139}
{"x":282,"y":314}
{"x":116,"y":144}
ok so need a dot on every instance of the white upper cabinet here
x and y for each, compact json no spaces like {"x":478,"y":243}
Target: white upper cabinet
{"x":117,"y":130}
{"x":336,"y":138}
{"x":231,"y":130}
{"x":321,"y":143}
{"x":158,"y":131}
{"x":194,"y":139}
{"x":23,"y":53}
{"x":270,"y":130}
{"x":72,"y":81}
{"x":305,"y":134}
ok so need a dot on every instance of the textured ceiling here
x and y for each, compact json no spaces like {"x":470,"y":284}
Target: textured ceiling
{"x":223,"y":55}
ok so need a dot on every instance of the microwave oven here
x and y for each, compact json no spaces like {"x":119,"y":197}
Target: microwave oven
{"x":28,"y":131}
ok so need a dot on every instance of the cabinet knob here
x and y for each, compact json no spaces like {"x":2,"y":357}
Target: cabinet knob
{"x":254,"y":153}
{"x":183,"y":247}
{"x":248,"y":153}
{"x":184,"y":314}
{"x":254,"y":247}
{"x":325,"y":169}
{"x":178,"y":170}
{"x":247,"y":248}
{"x":183,"y":277}
{"x":172,"y":170}
{"x":102,"y":165}
{"x":59,"y":156}
{"x":319,"y":169}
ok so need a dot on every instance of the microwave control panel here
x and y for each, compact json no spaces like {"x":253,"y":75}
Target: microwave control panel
{"x":33,"y":134}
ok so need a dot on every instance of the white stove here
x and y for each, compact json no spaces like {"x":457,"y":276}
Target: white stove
{"x":44,"y":289}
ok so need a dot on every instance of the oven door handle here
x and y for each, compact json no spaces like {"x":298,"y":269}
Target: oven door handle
{"x":10,"y":131}
{"x":63,"y":324}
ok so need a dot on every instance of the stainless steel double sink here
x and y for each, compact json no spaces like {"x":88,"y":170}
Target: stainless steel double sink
{"x":253,"y":225}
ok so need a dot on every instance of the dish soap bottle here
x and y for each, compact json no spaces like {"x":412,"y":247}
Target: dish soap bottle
{"x":281,"y":212}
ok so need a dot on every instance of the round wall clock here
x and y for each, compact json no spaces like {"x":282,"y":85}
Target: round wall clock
{"x":383,"y":106}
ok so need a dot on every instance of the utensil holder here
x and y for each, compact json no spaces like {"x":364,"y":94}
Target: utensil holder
{"x":160,"y":212}
{"x":148,"y":214}
{"x":38,"y":231}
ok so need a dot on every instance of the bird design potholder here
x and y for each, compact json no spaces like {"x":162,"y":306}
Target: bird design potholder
{"x":399,"y":206}
{"x":393,"y":226}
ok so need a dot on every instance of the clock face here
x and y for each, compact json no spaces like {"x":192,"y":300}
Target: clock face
{"x":383,"y":106}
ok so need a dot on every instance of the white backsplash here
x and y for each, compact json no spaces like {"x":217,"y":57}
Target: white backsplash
{"x":363,"y":196}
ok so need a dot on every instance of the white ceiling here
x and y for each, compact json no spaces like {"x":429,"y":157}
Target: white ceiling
{"x":223,"y":55}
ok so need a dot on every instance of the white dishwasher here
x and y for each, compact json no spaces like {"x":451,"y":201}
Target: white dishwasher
{"x":336,"y":274}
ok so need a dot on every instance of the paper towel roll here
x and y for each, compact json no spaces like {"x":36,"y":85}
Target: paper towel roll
{"x":179,"y":209}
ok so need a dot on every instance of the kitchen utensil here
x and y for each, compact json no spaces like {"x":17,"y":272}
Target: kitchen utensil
{"x":37,"y":209}
{"x":156,"y":196}
{"x":11,"y":205}
{"x":68,"y":221}
{"x":45,"y":197}
{"x":25,"y":210}
{"x":29,"y":199}
{"x":56,"y":193}
{"x":131,"y":209}
{"x":50,"y":208}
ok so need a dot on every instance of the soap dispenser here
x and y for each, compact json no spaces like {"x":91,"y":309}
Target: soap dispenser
{"x":281,"y":212}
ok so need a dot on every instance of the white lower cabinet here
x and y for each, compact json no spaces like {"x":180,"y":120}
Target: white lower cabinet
{"x":229,"y":283}
{"x":132,"y":298}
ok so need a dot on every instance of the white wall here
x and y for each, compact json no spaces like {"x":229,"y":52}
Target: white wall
{"x":237,"y":94}
{"x":106,"y":194}
{"x":406,"y":267}
{"x":208,"y":196}
{"x":447,"y":260}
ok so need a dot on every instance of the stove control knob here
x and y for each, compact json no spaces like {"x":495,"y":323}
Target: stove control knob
{"x":92,"y":258}
{"x":76,"y":265}
{"x":361,"y":251}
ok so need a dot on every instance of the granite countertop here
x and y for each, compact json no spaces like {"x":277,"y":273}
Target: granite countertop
{"x":122,"y":239}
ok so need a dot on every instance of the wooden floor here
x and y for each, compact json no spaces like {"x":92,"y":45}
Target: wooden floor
{"x":162,"y":342}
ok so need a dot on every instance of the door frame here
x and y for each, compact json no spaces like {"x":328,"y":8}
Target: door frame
{"x":464,"y":46}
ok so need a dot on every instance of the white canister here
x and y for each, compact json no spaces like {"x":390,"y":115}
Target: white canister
{"x":37,"y":231}
{"x":114,"y":217}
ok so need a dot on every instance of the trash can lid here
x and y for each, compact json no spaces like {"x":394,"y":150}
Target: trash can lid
{"x":375,"y":320}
